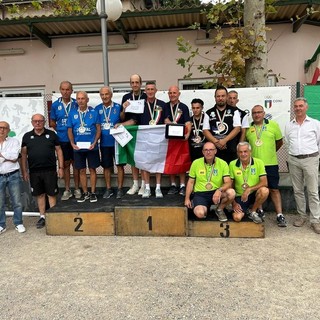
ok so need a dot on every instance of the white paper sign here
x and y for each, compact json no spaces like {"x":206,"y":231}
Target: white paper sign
{"x":135,"y":106}
{"x":122,"y":137}
{"x":83,"y":145}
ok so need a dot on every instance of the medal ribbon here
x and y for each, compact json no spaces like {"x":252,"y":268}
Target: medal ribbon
{"x":245,"y":173}
{"x":104,"y":112}
{"x":211,"y":172}
{"x":197,"y":129}
{"x":154,"y":114}
{"x":82,"y":116}
{"x":175,"y":115}
{"x":258,"y":132}
{"x":218,"y":114}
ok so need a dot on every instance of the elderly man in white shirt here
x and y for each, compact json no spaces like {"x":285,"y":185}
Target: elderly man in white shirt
{"x":302,"y":136}
{"x":10,"y":178}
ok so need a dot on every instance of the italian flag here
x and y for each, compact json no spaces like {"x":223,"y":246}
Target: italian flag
{"x":312,"y":67}
{"x":150,"y":150}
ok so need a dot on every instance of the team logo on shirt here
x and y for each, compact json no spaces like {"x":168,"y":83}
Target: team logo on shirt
{"x":76,"y":116}
{"x":47,"y":136}
{"x":100,"y":111}
{"x":238,"y":173}
{"x":59,"y":108}
{"x":253,"y":171}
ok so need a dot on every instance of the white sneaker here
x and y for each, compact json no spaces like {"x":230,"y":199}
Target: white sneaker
{"x":2,"y":230}
{"x":77,"y":193}
{"x":20,"y":228}
{"x":159,"y":193}
{"x":146,"y":193}
{"x":67,"y":194}
{"x":141,"y":190}
{"x":133,"y":190}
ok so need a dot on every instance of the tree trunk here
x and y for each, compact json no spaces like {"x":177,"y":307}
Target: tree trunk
{"x":254,"y":20}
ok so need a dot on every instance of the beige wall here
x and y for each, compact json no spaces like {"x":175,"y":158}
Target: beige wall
{"x":155,"y":59}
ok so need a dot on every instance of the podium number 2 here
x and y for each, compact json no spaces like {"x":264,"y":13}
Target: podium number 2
{"x":78,"y":226}
{"x":149,"y":220}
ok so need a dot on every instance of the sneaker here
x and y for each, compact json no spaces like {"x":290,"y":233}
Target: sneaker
{"x":254,"y":217}
{"x":67,"y":194}
{"x":133,"y":190}
{"x":146,"y":194}
{"x":182,"y":191}
{"x":93,"y":197}
{"x":119,"y":193}
{"x":221,"y":215}
{"x":173,"y":190}
{"x":141,"y":191}
{"x":281,"y":221}
{"x":159,"y":193}
{"x":108,"y":194}
{"x":41,"y":223}
{"x":85,"y":196}
{"x":77,"y":193}
{"x":2,"y":230}
{"x":261,"y":214}
{"x":299,"y":222}
{"x":315,"y":227}
{"x":20,"y":228}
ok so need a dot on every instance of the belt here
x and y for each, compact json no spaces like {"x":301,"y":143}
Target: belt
{"x":304,"y":156}
{"x":9,"y":173}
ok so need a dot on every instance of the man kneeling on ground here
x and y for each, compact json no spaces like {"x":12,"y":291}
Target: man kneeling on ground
{"x":210,"y":183}
{"x":250,"y":182}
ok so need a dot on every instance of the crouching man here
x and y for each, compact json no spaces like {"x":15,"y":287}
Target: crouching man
{"x":250,"y":182}
{"x":210,"y":183}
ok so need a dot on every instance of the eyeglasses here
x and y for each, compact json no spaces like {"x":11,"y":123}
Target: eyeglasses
{"x":4,"y":128}
{"x":208,"y":150}
{"x":37,"y":121}
{"x":257,"y":112}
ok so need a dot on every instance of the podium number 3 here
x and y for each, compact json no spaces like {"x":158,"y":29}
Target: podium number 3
{"x":78,"y":226}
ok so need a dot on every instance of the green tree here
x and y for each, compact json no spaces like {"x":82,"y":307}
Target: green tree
{"x":242,"y":45}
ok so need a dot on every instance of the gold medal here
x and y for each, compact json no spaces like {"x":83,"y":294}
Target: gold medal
{"x":244,"y":186}
{"x":209,"y":185}
{"x":152,"y":122}
{"x":258,"y":143}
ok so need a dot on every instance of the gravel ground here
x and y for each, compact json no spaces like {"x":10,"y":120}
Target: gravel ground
{"x":56,"y":277}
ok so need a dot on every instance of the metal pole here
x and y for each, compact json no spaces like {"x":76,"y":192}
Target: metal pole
{"x":104,"y":35}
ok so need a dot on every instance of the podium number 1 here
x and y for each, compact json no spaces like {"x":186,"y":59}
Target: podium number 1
{"x":149,"y":220}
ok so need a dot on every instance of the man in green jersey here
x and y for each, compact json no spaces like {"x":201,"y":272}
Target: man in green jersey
{"x":210,"y":183}
{"x":265,"y":138}
{"x":250,"y":183}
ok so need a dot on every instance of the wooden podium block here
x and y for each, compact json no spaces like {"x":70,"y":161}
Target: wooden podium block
{"x":151,"y":221}
{"x":229,"y":229}
{"x":80,"y":224}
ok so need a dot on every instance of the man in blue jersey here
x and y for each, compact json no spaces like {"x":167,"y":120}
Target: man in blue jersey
{"x":84,"y":131}
{"x":58,"y":121}
{"x":109,"y":115}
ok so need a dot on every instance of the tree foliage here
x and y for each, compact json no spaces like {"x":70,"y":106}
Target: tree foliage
{"x":58,"y":7}
{"x":236,"y":44}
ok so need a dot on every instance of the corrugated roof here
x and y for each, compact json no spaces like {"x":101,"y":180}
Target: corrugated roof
{"x":136,"y":21}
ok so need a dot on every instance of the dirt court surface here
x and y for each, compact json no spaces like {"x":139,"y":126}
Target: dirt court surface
{"x":59,"y":277}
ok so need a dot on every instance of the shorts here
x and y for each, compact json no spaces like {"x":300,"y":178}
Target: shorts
{"x":44,"y":182}
{"x":273,"y":176}
{"x":81,"y":158}
{"x":203,"y":199}
{"x":67,"y":151}
{"x":246,"y":205}
{"x":107,"y":157}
